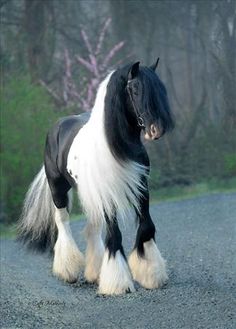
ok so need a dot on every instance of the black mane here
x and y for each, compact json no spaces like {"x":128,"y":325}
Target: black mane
{"x":121,"y":128}
{"x":122,"y":134}
{"x":155,"y":99}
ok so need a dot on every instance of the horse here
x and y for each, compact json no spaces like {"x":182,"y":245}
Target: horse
{"x":102,"y":155}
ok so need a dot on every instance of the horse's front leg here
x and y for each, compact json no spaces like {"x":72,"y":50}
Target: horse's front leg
{"x":115,"y":277}
{"x":146,"y":263}
{"x":94,"y":251}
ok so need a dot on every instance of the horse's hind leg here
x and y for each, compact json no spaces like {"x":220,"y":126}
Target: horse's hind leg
{"x":94,"y":251}
{"x":146,"y":263}
{"x":115,"y":277}
{"x":68,"y":260}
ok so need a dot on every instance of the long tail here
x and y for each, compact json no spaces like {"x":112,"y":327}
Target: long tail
{"x":37,"y":228}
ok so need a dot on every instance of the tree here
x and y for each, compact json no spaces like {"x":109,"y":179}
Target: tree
{"x":82,"y":75}
{"x":38,"y":16}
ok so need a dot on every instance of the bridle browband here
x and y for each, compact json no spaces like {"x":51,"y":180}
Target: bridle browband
{"x":140,"y":120}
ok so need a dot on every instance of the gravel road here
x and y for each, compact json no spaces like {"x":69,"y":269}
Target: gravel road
{"x":198,"y":239}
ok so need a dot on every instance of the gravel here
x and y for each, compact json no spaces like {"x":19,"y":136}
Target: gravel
{"x":196,"y":236}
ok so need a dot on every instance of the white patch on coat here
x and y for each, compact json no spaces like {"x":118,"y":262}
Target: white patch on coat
{"x":94,"y":252}
{"x":68,"y":260}
{"x":149,"y":270}
{"x":103,"y":183}
{"x":115,"y":276}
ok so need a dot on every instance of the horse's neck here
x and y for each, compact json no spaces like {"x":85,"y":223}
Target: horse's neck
{"x":121,"y":134}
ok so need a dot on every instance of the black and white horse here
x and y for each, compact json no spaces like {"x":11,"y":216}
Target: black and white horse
{"x":102,"y":156}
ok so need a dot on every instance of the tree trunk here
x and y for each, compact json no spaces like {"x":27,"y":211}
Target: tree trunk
{"x":34,"y":23}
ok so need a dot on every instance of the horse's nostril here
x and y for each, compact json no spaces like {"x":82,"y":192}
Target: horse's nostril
{"x":154,"y":132}
{"x":153,"y":129}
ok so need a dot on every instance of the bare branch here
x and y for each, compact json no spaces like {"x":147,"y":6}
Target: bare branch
{"x":58,"y":101}
{"x":84,"y":63}
{"x":82,"y":92}
{"x":121,"y":61}
{"x":112,"y":53}
{"x":86,"y":41}
{"x":102,"y":35}
{"x":94,"y":65}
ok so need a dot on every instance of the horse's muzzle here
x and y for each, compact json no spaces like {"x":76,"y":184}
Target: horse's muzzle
{"x":152,"y":133}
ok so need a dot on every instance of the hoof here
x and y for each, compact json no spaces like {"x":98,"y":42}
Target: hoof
{"x":148,"y":270}
{"x":115,"y":277}
{"x":68,"y":262}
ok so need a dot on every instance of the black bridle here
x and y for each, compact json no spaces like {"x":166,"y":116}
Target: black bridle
{"x":140,"y":120}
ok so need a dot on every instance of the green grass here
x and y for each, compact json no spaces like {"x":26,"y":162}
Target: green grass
{"x":75,"y":216}
{"x":7,"y":231}
{"x":175,"y":193}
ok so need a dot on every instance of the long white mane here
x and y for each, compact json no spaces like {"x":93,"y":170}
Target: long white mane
{"x":104,"y":184}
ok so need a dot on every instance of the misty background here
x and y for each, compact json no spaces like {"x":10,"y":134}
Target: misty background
{"x":54,"y":53}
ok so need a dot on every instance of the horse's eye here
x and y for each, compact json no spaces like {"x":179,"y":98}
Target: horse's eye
{"x":135,"y":89}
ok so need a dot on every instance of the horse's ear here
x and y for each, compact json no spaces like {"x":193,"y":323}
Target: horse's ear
{"x":154,"y":66}
{"x":133,"y":72}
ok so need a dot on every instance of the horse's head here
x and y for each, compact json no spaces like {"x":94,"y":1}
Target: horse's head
{"x":147,"y":100}
{"x":135,"y":100}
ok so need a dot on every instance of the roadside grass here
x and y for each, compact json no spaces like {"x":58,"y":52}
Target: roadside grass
{"x":7,"y":231}
{"x":175,"y":193}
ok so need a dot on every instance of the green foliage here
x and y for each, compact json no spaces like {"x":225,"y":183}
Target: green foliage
{"x":230,"y":164}
{"x":210,"y":155}
{"x":26,"y":114}
{"x":178,"y":192}
{"x":154,"y":179}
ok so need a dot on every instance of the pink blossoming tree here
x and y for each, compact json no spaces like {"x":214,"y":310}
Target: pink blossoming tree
{"x":81,"y":92}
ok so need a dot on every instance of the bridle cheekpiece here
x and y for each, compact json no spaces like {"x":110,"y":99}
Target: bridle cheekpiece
{"x":140,"y":120}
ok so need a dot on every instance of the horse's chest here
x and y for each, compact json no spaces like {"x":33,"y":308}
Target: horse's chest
{"x":102,"y":182}
{"x":89,"y":157}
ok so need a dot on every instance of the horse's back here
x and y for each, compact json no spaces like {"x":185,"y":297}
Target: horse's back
{"x":59,"y":140}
